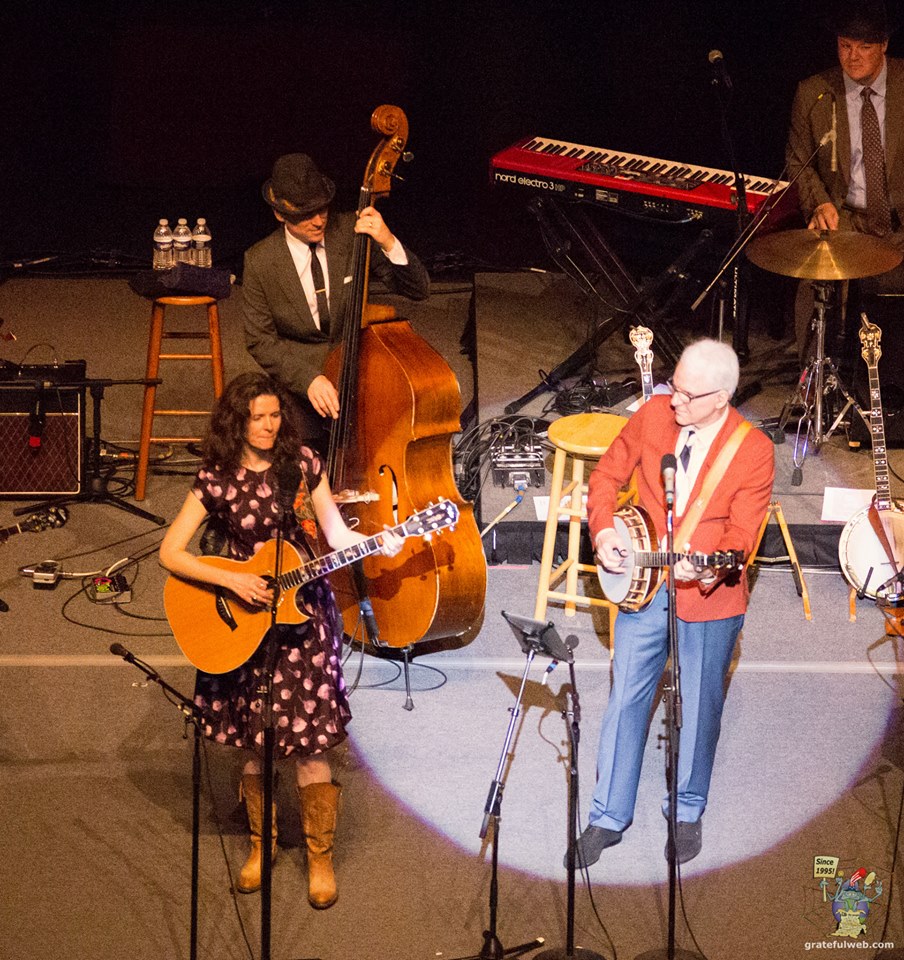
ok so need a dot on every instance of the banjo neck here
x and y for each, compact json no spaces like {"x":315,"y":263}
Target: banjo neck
{"x":870,"y":336}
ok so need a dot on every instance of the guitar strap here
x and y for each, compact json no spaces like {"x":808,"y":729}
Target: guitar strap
{"x":875,"y":521}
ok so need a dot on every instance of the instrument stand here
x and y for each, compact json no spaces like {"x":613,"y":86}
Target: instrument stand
{"x":194,"y":716}
{"x":562,"y":236}
{"x":775,"y":510}
{"x":95,"y":480}
{"x":817,"y":381}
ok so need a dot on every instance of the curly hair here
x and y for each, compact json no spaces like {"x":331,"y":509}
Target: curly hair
{"x":225,"y":439}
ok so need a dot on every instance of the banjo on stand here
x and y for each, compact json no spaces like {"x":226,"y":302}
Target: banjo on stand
{"x":642,"y":339}
{"x":871,"y":547}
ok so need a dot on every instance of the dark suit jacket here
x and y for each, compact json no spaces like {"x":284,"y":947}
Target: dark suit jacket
{"x":732,"y":518}
{"x":280,"y":332}
{"x":811,"y":119}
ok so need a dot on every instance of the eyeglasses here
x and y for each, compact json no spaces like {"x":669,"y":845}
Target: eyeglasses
{"x":685,"y":397}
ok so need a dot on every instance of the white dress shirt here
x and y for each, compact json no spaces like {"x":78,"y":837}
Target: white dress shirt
{"x":701,"y":441}
{"x":856,"y":196}
{"x":301,"y":257}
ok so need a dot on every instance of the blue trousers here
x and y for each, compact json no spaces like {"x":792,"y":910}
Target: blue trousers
{"x":641,"y":651}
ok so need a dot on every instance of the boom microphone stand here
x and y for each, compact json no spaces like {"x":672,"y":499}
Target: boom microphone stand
{"x":193,"y":715}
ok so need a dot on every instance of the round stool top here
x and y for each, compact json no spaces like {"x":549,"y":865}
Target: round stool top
{"x":185,"y":301}
{"x":585,"y":433}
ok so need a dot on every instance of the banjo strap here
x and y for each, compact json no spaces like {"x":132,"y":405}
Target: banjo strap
{"x":713,"y":478}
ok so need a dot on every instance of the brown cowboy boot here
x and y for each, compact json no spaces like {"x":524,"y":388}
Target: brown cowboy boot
{"x":319,"y":813}
{"x":252,"y":792}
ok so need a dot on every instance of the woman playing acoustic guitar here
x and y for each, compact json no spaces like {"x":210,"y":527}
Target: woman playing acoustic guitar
{"x":251,"y":437}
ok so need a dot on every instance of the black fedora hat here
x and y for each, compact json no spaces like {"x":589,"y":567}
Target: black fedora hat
{"x":866,"y":20}
{"x":297,"y":189}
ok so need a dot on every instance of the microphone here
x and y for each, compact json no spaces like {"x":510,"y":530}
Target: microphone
{"x":718,"y":64}
{"x":834,"y":161}
{"x":118,"y":650}
{"x":831,"y":135}
{"x":668,"y":467}
{"x":288,"y":480}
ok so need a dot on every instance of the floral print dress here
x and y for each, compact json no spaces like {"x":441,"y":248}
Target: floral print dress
{"x":310,"y":705}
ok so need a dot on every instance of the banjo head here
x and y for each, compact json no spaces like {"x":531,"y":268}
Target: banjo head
{"x":864,"y":561}
{"x":629,"y":590}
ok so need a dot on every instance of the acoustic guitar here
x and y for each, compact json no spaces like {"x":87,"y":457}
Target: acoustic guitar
{"x":645,"y":564}
{"x":871,"y":546}
{"x":218,"y":632}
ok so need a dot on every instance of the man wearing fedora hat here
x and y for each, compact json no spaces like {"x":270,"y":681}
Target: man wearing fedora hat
{"x":295,"y":284}
{"x":849,"y":185}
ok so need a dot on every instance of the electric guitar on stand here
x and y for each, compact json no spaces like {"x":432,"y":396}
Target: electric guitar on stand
{"x":871,"y":548}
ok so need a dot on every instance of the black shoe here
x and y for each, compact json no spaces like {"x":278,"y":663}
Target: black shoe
{"x":688,"y":840}
{"x":591,"y":843}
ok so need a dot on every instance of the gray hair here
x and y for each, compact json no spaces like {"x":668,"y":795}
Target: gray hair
{"x":715,"y":362}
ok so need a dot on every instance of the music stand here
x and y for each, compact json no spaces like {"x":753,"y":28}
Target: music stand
{"x":541,"y":636}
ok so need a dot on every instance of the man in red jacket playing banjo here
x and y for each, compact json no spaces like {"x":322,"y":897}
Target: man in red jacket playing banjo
{"x":694,"y":424}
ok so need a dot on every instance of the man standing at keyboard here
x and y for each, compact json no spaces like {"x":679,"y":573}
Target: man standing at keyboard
{"x":856,"y":179}
{"x":295,"y":284}
{"x":695,"y":424}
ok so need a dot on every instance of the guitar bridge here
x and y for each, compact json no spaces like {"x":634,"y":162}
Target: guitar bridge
{"x":223,"y":610}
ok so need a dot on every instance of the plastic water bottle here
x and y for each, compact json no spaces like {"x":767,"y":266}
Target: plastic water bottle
{"x":182,"y":241}
{"x":200,"y":241}
{"x":163,"y":246}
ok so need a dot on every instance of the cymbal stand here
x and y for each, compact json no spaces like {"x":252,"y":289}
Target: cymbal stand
{"x":817,"y":380}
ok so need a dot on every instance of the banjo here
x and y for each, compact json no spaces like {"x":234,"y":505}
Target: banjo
{"x":871,"y":547}
{"x":642,"y":339}
{"x":644,"y":568}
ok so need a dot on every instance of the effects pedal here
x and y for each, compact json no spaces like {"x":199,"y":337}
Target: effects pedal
{"x":113,"y":589}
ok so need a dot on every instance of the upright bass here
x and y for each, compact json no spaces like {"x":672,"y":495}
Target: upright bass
{"x":390,"y":450}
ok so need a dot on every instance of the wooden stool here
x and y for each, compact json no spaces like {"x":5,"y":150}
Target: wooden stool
{"x":580,"y":436}
{"x":155,"y":342}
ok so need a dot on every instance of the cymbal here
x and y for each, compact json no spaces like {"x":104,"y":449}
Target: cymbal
{"x":823,"y":254}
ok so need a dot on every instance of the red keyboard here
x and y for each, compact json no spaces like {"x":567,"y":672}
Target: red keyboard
{"x":634,"y":184}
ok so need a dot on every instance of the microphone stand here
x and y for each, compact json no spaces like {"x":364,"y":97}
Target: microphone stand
{"x":673,"y":724}
{"x":266,"y":691}
{"x":194,"y":716}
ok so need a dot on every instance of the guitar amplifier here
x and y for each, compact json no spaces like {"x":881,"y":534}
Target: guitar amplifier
{"x":42,"y":435}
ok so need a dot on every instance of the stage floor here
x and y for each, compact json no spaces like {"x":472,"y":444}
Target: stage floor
{"x":95,"y":854}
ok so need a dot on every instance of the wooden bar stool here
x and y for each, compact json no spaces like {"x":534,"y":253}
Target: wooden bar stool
{"x":155,"y":342}
{"x":581,"y":436}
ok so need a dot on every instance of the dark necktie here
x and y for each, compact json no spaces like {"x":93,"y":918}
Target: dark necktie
{"x":877,"y":208}
{"x":684,"y":458}
{"x":323,"y":307}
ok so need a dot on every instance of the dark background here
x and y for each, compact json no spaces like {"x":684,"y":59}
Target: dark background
{"x":115,"y":115}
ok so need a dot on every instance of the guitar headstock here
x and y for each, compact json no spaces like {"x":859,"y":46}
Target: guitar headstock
{"x":436,"y":516}
{"x":49,"y":519}
{"x":726,"y":560}
{"x":870,"y":337}
{"x":642,"y":339}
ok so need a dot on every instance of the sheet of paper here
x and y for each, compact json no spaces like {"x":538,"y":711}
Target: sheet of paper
{"x":839,"y":504}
